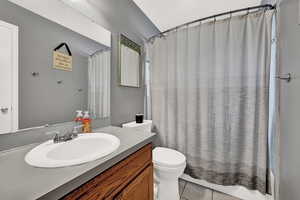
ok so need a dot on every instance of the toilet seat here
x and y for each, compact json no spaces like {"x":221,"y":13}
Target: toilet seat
{"x":168,"y":158}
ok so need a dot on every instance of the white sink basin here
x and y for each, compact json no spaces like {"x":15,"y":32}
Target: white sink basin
{"x":85,"y":148}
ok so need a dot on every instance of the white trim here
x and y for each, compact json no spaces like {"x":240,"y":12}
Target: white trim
{"x":15,"y":76}
{"x":15,"y":79}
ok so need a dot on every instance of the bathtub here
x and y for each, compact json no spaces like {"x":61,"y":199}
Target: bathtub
{"x":235,"y":191}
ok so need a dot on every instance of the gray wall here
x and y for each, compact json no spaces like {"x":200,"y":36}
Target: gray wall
{"x":123,"y":16}
{"x":41,"y":100}
{"x":119,"y":16}
{"x":290,"y":107}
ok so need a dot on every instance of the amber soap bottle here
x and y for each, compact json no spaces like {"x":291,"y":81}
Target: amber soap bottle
{"x":87,"y":123}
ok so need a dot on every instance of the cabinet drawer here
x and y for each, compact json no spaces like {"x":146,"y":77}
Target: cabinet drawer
{"x":113,"y":180}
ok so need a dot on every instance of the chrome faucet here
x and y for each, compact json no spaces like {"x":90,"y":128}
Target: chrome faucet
{"x":67,"y":136}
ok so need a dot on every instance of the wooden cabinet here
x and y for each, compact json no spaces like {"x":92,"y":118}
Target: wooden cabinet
{"x":130,"y":179}
{"x":140,"y":188}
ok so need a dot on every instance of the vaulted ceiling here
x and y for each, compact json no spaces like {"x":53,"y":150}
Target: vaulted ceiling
{"x":167,"y":14}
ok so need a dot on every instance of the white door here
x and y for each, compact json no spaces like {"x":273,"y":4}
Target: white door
{"x":8,"y":77}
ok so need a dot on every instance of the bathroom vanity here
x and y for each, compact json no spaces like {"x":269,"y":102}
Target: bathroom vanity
{"x":130,"y":179}
{"x":126,"y":174}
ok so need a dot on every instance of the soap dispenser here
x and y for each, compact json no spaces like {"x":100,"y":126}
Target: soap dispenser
{"x":87,"y":128}
{"x":79,"y":118}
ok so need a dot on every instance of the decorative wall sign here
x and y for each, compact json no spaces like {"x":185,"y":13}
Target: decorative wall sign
{"x":61,"y":60}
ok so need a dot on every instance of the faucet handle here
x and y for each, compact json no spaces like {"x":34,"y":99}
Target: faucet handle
{"x":56,"y":138}
{"x":75,"y":129}
{"x":74,"y":133}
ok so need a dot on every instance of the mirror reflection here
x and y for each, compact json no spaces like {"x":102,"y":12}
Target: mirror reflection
{"x":61,"y":71}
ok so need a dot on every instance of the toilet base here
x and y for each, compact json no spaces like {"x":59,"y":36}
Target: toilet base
{"x":167,"y":190}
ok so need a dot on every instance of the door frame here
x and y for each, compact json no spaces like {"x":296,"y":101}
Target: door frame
{"x":15,"y":75}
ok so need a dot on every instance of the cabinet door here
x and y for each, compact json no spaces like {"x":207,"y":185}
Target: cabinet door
{"x":107,"y":185}
{"x":140,"y":188}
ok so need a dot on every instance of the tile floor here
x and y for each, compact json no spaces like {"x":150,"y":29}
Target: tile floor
{"x":190,"y":191}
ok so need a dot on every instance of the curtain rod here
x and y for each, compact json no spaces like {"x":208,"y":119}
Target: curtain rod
{"x":101,"y":50}
{"x":267,"y":6}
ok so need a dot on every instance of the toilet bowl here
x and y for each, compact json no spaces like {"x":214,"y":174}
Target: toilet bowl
{"x":168,"y":166}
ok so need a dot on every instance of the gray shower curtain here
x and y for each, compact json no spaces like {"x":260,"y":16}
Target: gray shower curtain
{"x":209,"y":97}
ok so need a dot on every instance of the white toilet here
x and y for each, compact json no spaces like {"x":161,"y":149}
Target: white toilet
{"x":168,"y":166}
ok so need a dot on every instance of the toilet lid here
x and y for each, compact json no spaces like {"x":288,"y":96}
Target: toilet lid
{"x":167,"y":157}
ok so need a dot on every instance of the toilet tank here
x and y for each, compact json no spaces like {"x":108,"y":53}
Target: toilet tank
{"x":146,"y":126}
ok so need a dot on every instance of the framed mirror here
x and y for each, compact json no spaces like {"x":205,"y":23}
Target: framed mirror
{"x":129,"y":66}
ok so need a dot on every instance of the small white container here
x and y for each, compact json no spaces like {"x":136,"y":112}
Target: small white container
{"x":146,"y":126}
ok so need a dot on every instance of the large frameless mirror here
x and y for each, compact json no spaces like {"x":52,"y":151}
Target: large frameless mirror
{"x":62,"y":68}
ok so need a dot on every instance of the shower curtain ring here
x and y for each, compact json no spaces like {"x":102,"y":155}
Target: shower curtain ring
{"x":248,"y":11}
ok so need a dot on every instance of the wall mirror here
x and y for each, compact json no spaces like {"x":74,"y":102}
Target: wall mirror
{"x":50,"y":92}
{"x":129,"y":66}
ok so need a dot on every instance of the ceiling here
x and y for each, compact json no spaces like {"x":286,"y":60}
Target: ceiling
{"x":166,"y":14}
